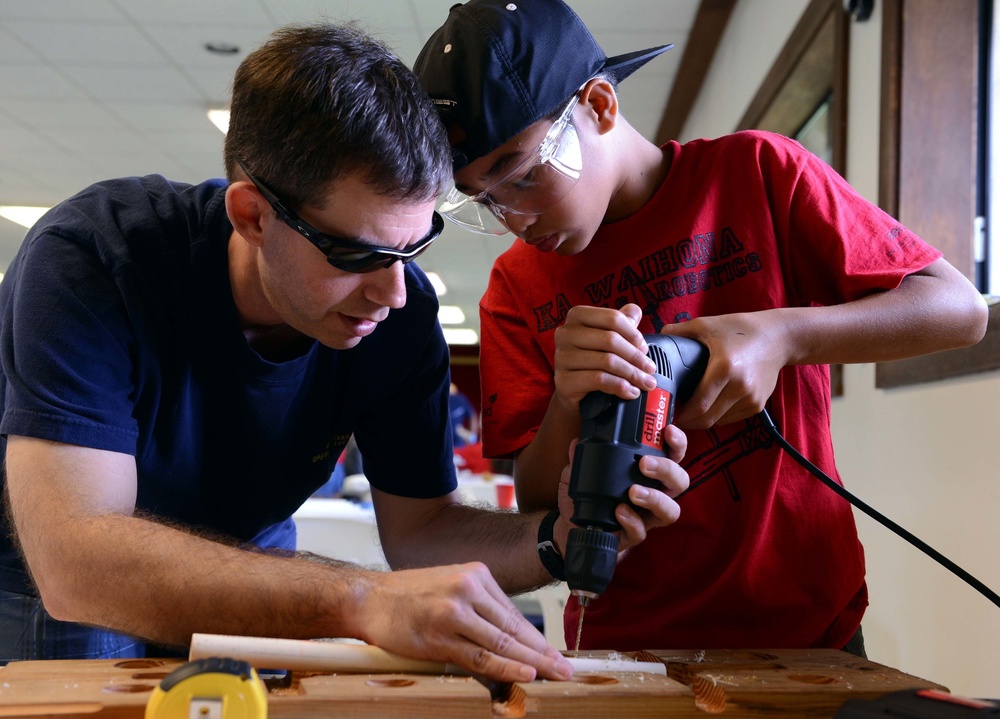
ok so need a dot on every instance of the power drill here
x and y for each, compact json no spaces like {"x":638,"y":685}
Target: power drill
{"x":614,"y":434}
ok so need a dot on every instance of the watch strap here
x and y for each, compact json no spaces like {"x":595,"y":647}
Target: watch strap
{"x":547,"y":552}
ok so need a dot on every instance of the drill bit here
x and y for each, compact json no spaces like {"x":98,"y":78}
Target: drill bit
{"x":584,"y":601}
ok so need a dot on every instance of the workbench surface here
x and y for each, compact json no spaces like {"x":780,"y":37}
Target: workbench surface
{"x":736,"y":683}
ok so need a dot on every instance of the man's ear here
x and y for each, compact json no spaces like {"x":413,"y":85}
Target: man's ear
{"x":246,"y":210}
{"x":599,"y":98}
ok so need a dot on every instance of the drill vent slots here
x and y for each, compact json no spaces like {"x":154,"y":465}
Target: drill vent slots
{"x":659,"y":357}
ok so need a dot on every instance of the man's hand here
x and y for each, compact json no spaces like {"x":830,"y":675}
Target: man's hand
{"x":653,"y":508}
{"x":458,"y":614}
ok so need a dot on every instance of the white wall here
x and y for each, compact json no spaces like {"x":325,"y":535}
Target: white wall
{"x":926,"y":456}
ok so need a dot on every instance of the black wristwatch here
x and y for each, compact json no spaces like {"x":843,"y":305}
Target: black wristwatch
{"x":547,"y":551}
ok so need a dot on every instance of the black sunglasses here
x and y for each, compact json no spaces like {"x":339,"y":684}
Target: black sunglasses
{"x":347,"y":254}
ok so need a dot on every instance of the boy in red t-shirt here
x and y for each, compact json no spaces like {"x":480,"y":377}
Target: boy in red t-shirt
{"x":747,"y":243}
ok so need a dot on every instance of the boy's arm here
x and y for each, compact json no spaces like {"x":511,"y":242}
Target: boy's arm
{"x":931,"y":310}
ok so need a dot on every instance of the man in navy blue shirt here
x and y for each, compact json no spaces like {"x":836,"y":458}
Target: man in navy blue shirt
{"x":181,"y":366}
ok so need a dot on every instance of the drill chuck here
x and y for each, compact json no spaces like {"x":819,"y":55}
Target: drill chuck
{"x":591,"y":555}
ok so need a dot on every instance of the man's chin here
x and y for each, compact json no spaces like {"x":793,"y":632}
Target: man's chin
{"x":342,"y":343}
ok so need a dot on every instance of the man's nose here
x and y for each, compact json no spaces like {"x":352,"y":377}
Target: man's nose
{"x":387,"y":287}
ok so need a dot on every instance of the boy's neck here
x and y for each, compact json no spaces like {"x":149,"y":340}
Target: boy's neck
{"x":644,"y":171}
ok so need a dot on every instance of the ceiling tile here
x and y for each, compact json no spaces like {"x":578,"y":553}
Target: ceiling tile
{"x":56,"y":114}
{"x":376,"y":15}
{"x":195,"y":12}
{"x":59,"y":10}
{"x":155,"y":115}
{"x":87,"y":43}
{"x":36,"y":82}
{"x":13,"y":50}
{"x":601,"y":16}
{"x":147,"y":82}
{"x":16,"y":140}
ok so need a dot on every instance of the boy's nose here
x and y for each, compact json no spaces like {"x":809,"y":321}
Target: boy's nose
{"x":518,"y":223}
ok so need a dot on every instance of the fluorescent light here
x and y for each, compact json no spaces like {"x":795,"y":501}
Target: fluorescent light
{"x":460,"y":336}
{"x":450,"y":315}
{"x":220,"y":118}
{"x":437,"y":283}
{"x":22,"y":215}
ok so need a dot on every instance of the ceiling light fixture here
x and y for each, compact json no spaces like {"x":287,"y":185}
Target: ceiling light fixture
{"x":22,"y":215}
{"x":450,"y":315}
{"x":220,"y":118}
{"x":437,"y":283}
{"x":222,"y":48}
{"x":460,"y":336}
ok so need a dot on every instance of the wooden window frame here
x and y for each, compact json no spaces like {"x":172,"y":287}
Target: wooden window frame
{"x":929,"y":95}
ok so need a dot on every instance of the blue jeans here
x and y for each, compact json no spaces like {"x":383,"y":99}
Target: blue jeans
{"x":28,"y":632}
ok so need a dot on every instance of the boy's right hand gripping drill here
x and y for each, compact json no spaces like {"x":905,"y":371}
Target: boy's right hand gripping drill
{"x":614,"y":434}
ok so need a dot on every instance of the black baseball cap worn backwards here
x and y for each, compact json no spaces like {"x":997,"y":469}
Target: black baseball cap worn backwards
{"x":495,"y":67}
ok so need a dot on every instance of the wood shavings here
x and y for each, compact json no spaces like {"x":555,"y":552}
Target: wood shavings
{"x":709,"y":695}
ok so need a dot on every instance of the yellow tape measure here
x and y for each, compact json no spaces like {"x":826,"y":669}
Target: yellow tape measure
{"x":211,"y":688}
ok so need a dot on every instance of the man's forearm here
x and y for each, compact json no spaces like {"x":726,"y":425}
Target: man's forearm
{"x":505,"y":542}
{"x":164,"y":584}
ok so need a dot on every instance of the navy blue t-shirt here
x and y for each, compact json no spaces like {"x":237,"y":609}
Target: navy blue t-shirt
{"x":118,"y":331}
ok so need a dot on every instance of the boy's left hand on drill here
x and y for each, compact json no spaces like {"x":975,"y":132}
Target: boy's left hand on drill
{"x":746,"y":351}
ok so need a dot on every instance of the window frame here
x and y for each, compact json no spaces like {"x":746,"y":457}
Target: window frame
{"x":929,"y":98}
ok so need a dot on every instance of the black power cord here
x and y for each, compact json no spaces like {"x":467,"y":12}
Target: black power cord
{"x":876,"y":515}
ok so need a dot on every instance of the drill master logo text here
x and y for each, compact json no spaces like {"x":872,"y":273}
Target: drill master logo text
{"x":700,"y":263}
{"x":655,"y":417}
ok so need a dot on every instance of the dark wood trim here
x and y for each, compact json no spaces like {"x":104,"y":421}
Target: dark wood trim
{"x":937,"y":137}
{"x":928,"y":96}
{"x":836,"y":380}
{"x":788,"y":59}
{"x":982,"y":357}
{"x":841,"y":88}
{"x":709,"y":24}
{"x":892,"y":60}
{"x":458,"y":361}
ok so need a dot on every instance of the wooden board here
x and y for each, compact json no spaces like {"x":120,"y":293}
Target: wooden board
{"x":736,"y":683}
{"x":793,"y":682}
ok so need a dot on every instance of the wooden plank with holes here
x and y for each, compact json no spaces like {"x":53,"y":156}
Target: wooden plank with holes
{"x":737,"y":683}
{"x":600,"y":695}
{"x":121,"y":689}
{"x":791,"y":682}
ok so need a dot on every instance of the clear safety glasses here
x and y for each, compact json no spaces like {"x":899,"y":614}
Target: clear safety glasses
{"x":534,"y":186}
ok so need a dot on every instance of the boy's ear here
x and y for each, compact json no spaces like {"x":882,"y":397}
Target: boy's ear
{"x":601,"y":101}
{"x":244,"y":205}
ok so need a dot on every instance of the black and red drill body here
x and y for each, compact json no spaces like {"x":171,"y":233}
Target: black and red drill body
{"x":614,"y":434}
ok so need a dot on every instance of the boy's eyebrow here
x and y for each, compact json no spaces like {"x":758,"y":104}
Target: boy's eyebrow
{"x":501,"y":167}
